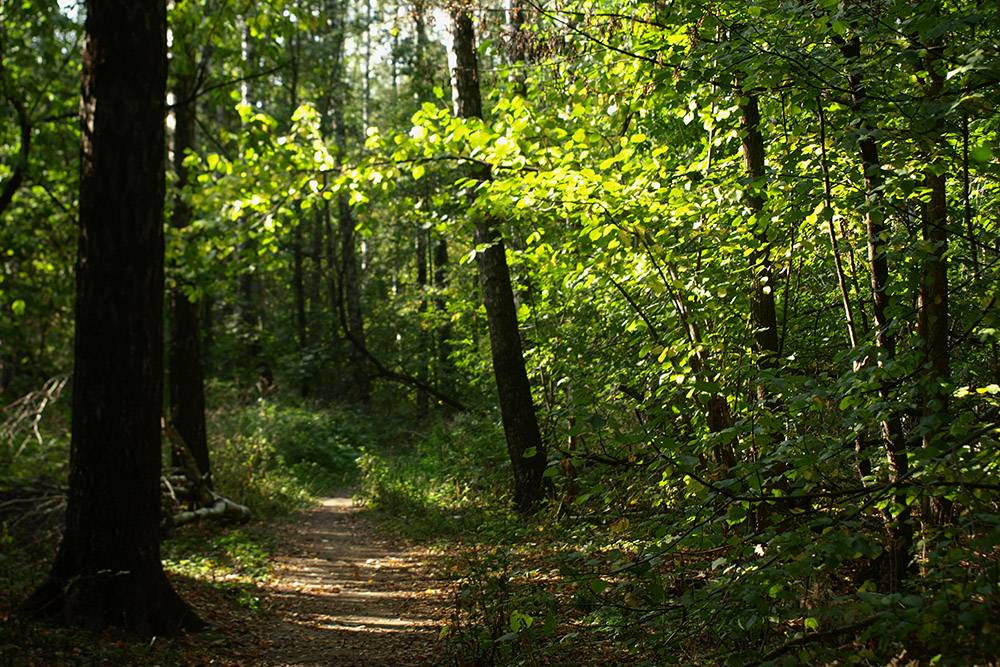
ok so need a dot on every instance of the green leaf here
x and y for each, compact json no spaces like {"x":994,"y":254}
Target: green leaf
{"x":981,"y":153}
{"x":811,"y":623}
{"x":17,"y":307}
{"x":418,"y":172}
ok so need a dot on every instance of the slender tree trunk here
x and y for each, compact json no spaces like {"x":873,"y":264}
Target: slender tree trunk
{"x":900,"y":530}
{"x":350,"y":284}
{"x":314,"y":287}
{"x":423,"y":400}
{"x":933,"y":320}
{"x":299,"y":291}
{"x":517,"y":49}
{"x":349,"y":270}
{"x":445,"y":368}
{"x":248,"y":289}
{"x":298,"y":249}
{"x":863,"y":464}
{"x":524,"y":441}
{"x":107,"y":570}
{"x":187,"y":382}
{"x":763,"y":315}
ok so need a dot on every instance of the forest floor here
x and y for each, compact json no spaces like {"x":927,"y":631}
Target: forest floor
{"x":326,"y":586}
{"x":344,"y":594}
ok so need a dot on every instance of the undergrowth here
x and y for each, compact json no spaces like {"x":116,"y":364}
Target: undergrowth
{"x":441,"y":481}
{"x":277,"y":457}
{"x":273,"y":455}
{"x":610,"y":572}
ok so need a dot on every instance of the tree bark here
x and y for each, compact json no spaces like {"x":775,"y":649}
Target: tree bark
{"x":423,"y":399}
{"x":350,"y":274}
{"x":933,"y":317}
{"x":763,"y":315}
{"x":107,"y":571}
{"x":524,"y":441}
{"x":445,"y":369}
{"x":298,"y":251}
{"x":899,"y":528}
{"x":187,"y":383}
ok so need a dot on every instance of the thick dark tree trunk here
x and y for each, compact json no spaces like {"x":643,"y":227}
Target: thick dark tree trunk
{"x":107,"y":570}
{"x":520,"y":423}
{"x":187,"y":384}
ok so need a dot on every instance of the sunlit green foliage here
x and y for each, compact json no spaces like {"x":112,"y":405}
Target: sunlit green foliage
{"x":677,"y":530}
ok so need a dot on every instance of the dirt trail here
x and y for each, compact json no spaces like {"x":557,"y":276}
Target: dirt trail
{"x":345,"y":596}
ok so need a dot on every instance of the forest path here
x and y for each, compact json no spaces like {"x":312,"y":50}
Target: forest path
{"x":342,"y":594}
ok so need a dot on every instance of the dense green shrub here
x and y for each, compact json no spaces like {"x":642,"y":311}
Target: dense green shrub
{"x":439,"y":480}
{"x":276,"y":457}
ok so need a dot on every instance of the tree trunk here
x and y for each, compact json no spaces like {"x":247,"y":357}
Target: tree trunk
{"x":350,"y":284}
{"x":350,"y":274}
{"x":423,"y":400}
{"x":298,"y":251}
{"x":520,"y":423}
{"x":187,"y":383}
{"x":445,"y":369}
{"x":933,"y":319}
{"x":900,"y":530}
{"x":299,"y":291}
{"x":247,"y":288}
{"x":763,"y":315}
{"x":107,"y":570}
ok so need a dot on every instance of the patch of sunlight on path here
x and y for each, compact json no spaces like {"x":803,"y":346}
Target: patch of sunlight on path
{"x":343,"y":595}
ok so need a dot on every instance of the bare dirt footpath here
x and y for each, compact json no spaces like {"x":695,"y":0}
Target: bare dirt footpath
{"x":342,"y":595}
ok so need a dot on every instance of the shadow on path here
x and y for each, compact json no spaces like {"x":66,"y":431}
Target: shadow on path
{"x":345,"y":597}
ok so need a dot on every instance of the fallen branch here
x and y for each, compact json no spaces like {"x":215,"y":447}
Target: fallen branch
{"x":815,"y":637}
{"x":24,"y":416}
{"x":207,"y":504}
{"x":223,"y":508}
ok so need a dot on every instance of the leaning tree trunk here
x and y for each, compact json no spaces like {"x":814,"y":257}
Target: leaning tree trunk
{"x":520,"y":423}
{"x":107,"y":571}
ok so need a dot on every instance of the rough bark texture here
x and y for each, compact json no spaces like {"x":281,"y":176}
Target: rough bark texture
{"x":524,"y":441}
{"x":108,"y":570}
{"x":187,"y":383}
